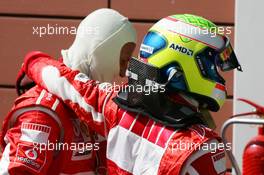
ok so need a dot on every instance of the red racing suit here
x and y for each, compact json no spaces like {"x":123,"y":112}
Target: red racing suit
{"x":32,"y":132}
{"x":135,"y":143}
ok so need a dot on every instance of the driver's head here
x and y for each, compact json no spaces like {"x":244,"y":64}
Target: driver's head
{"x":103,"y":45}
{"x":190,"y":51}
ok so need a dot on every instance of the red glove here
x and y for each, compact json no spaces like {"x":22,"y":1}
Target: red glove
{"x":23,"y":82}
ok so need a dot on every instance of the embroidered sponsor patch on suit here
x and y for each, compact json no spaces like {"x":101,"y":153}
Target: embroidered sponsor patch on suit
{"x":30,"y":157}
{"x":219,"y":162}
{"x":35,"y":133}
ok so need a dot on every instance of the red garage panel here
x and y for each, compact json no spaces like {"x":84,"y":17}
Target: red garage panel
{"x":220,"y":117}
{"x":229,"y":31}
{"x":218,"y":11}
{"x":18,"y":36}
{"x":51,"y":7}
{"x":229,"y":77}
{"x":30,"y":36}
{"x":7,"y":97}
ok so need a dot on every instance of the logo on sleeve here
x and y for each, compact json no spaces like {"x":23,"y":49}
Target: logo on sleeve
{"x":31,"y":154}
{"x":35,"y":133}
{"x":219,"y":162}
{"x":30,"y":157}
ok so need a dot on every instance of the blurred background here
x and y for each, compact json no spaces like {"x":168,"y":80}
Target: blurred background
{"x":21,"y":21}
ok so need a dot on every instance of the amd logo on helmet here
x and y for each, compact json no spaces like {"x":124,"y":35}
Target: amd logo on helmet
{"x":181,"y":49}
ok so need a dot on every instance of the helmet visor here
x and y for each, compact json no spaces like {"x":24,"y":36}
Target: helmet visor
{"x":206,"y":61}
{"x":226,"y":59}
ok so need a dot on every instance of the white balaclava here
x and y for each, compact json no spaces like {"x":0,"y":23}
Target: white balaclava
{"x":98,"y":43}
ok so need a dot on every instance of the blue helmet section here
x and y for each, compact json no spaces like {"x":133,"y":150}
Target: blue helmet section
{"x":152,"y":43}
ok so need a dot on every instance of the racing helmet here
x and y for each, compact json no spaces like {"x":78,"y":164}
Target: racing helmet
{"x":193,"y":49}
